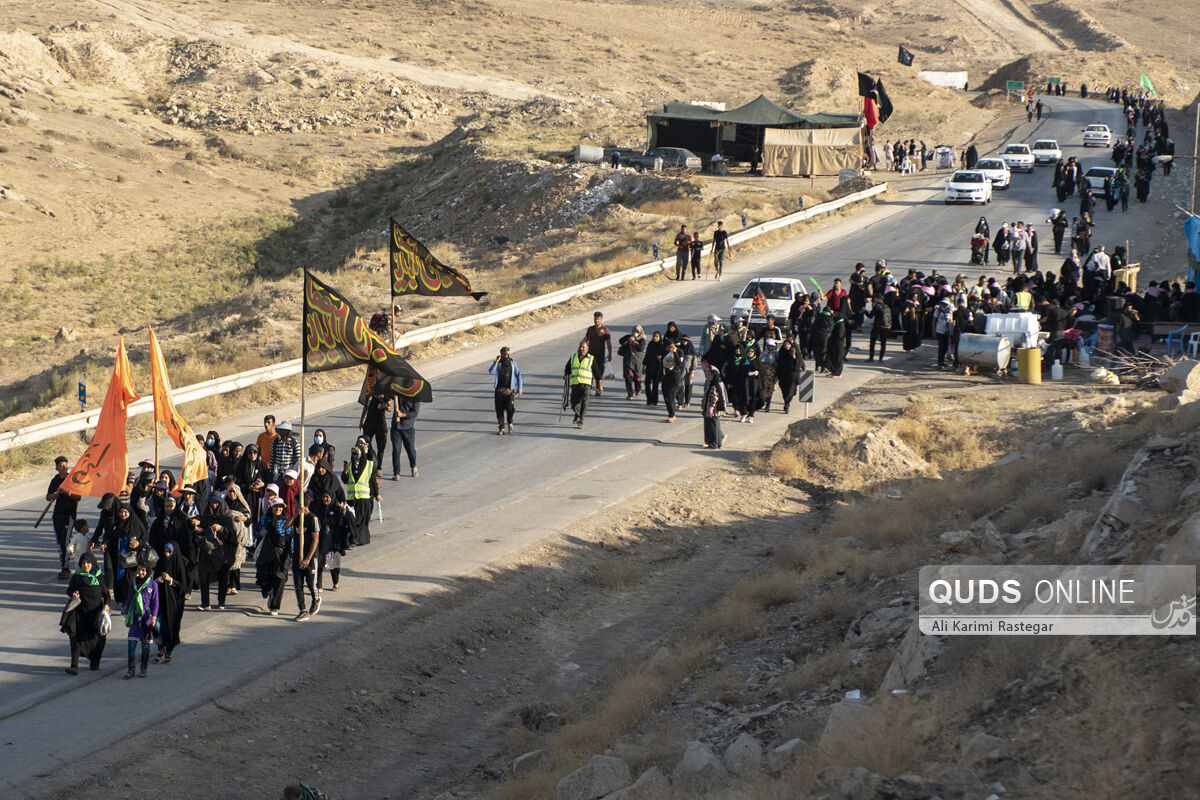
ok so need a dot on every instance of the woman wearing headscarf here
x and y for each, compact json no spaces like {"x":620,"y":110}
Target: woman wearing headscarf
{"x":913,"y":317}
{"x":670,"y":379}
{"x":835,"y":350}
{"x":362,"y":487}
{"x":170,"y":526}
{"x":251,"y":478}
{"x":337,"y":529}
{"x":672,"y":333}
{"x":82,"y":623}
{"x":131,"y":534}
{"x":323,"y":480}
{"x":227,"y":460}
{"x":652,"y":366}
{"x":141,"y":614}
{"x":171,"y":576}
{"x":630,"y":349}
{"x":271,"y":567}
{"x":218,"y":542}
{"x":239,"y":512}
{"x":819,"y":339}
{"x":788,"y":366}
{"x":748,"y":376}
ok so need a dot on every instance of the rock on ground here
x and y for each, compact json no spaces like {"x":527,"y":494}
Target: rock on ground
{"x":1184,"y":375}
{"x":601,"y":775}
{"x":650,"y":785}
{"x":698,"y":767}
{"x":744,"y":755}
{"x":529,"y":762}
{"x":781,"y":757}
{"x":981,"y":748}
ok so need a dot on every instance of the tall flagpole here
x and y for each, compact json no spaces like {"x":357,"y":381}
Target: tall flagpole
{"x":157,"y":466}
{"x":1195,"y":163}
{"x":300,"y":546}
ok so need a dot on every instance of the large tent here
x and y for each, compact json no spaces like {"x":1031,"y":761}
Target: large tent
{"x":744,"y":132}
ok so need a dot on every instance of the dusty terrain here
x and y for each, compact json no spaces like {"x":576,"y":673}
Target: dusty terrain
{"x":747,"y":600}
{"x":168,"y":162}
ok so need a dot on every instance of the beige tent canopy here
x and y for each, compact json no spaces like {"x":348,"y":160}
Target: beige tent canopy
{"x":822,"y":151}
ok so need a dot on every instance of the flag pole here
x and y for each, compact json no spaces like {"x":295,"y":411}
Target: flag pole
{"x":157,"y":466}
{"x":300,"y":495}
{"x":1195,"y":163}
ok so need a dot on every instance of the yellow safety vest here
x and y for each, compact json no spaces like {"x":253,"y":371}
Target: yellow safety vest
{"x":581,"y":369}
{"x":1023,"y":301}
{"x":360,"y":486}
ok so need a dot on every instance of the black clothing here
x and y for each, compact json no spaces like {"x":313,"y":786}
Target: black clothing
{"x":82,"y":623}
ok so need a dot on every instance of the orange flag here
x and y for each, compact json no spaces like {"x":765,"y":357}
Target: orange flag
{"x":195,"y":464}
{"x":104,"y":465}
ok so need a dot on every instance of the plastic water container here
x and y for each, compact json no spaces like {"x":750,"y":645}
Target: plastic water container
{"x":1020,"y":327}
{"x":1085,"y":355}
{"x":1056,"y":371}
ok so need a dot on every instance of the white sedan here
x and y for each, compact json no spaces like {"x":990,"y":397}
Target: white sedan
{"x":968,"y":186}
{"x":1046,"y":151}
{"x":996,"y":171}
{"x":1018,"y":157}
{"x":1097,"y":134}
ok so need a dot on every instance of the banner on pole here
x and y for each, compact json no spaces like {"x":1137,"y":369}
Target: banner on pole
{"x":415,"y":270}
{"x":195,"y":465}
{"x":337,"y":336}
{"x":103,"y":467}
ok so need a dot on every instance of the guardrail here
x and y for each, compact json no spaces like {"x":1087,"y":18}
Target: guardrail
{"x":230,"y":383}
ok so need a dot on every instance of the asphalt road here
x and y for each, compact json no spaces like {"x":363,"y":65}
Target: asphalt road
{"x":481,"y":498}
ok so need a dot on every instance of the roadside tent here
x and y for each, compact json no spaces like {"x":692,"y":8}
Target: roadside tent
{"x":811,"y":151}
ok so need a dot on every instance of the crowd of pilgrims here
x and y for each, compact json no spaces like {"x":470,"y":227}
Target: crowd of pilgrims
{"x":155,"y":545}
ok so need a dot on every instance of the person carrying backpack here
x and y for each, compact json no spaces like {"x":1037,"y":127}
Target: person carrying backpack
{"x":881,"y":328}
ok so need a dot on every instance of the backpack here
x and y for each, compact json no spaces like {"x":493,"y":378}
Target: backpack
{"x":885,"y":319}
{"x":309,"y":793}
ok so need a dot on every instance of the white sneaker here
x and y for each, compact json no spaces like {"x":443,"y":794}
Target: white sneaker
{"x":274,"y":613}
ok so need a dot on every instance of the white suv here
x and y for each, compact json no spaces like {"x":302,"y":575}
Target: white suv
{"x":1097,"y":134}
{"x":778,"y":294}
{"x":1018,"y":157}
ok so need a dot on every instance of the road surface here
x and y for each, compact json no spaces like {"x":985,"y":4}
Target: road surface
{"x":481,"y":498}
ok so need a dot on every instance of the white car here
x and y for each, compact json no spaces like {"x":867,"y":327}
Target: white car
{"x":1097,"y":134}
{"x":1018,"y":157}
{"x":1095,"y":177}
{"x":1046,"y":151}
{"x":996,"y":171}
{"x":968,"y":186}
{"x":778,"y":294}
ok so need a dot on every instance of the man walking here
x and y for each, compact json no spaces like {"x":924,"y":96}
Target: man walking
{"x":507,"y":387}
{"x":66,"y":506}
{"x":599,"y":340}
{"x":720,"y":247}
{"x":373,"y":424}
{"x":683,"y":245}
{"x":697,"y":248}
{"x":285,"y":451}
{"x":578,"y":376}
{"x":265,"y":440}
{"x":404,"y":434}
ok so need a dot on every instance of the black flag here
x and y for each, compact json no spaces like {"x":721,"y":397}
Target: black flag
{"x":336,"y":336}
{"x":873,"y":88}
{"x":905,"y":57}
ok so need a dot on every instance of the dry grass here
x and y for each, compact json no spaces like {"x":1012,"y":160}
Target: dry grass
{"x":616,"y":572}
{"x":685,"y":208}
{"x":766,"y":591}
{"x":733,"y":618}
{"x":819,"y":669}
{"x":876,"y":745}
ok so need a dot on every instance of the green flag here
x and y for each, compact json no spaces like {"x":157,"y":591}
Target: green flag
{"x":1147,"y":85}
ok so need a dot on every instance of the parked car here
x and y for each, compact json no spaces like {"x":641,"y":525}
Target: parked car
{"x":1097,"y":134}
{"x":778,"y":293}
{"x":968,"y":186}
{"x":1095,"y":177}
{"x":1046,"y":151}
{"x":1018,"y":157}
{"x":671,"y":157}
{"x":996,"y":171}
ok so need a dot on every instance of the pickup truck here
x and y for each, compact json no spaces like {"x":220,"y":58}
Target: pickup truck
{"x":671,"y":157}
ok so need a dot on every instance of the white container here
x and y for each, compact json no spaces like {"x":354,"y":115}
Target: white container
{"x":1020,"y":327}
{"x":1056,"y":371}
{"x":1085,"y":355}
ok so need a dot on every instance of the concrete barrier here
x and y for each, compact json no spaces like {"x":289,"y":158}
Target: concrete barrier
{"x":78,"y":422}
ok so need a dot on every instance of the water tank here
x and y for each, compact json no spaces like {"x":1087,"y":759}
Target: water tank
{"x":588,"y":153}
{"x":986,"y":352}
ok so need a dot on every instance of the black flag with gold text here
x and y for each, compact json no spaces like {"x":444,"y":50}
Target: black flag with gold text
{"x":415,"y":270}
{"x":337,"y":336}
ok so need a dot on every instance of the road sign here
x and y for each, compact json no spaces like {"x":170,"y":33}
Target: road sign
{"x":1128,"y":81}
{"x":1014,"y":86}
{"x":1054,"y":81}
{"x":804,"y":389}
{"x":82,"y":395}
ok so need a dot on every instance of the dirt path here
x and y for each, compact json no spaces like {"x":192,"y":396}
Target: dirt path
{"x":161,"y":21}
{"x":1001,"y":22}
